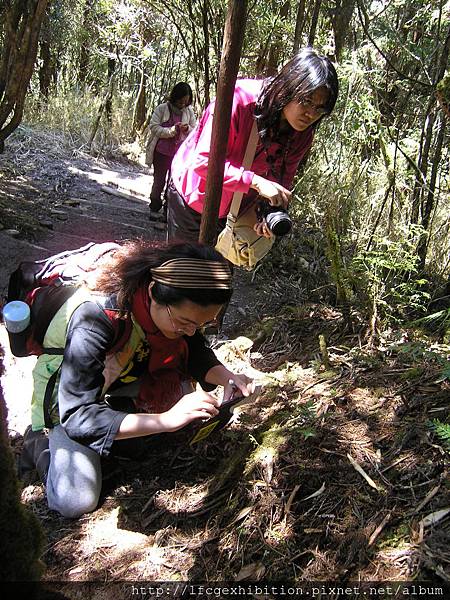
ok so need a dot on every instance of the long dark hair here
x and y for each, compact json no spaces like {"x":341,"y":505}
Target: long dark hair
{"x":306,"y":72}
{"x":130,"y":268}
{"x":180,"y":90}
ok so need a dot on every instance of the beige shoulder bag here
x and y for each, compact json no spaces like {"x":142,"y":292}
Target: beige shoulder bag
{"x":238,"y":241}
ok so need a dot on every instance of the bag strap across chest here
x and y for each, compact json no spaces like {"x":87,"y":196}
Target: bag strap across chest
{"x":246,"y":163}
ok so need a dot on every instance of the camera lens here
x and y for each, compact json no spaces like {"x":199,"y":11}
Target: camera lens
{"x":279,"y":222}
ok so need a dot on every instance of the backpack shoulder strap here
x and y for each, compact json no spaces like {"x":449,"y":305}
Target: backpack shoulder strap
{"x":121,"y":323}
{"x":47,"y":301}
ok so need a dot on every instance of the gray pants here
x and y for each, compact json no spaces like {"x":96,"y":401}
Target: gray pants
{"x":183,"y":223}
{"x":74,"y":477}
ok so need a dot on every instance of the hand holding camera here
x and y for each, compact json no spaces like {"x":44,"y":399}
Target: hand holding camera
{"x":181,"y":128}
{"x":272,"y":220}
{"x":276,"y":194}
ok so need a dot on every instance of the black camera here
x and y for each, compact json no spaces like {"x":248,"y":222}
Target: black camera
{"x":277,"y":219}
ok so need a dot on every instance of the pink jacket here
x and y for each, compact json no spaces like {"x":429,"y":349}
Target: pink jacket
{"x":190,"y":163}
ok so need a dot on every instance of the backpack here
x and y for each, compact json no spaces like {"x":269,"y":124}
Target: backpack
{"x":45,"y":285}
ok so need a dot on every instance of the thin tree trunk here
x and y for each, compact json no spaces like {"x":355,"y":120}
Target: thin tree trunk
{"x":431,"y":197}
{"x":162,"y":95}
{"x":206,"y":50}
{"x":268,"y":59}
{"x":45,"y":74}
{"x":426,"y":138}
{"x":341,"y":24}
{"x":85,"y":44}
{"x":229,"y":65}
{"x":139,"y":105}
{"x":314,"y":21}
{"x":277,"y":44}
{"x":21,"y":35}
{"x":380,"y":213}
{"x":197,"y":53}
{"x":101,"y":109}
{"x":108,"y":100}
{"x":299,"y":25}
{"x":422,"y":164}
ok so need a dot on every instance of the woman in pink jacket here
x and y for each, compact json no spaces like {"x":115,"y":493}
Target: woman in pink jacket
{"x":287,"y":109}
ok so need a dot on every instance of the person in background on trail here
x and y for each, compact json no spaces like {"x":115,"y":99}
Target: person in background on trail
{"x":107,"y":394}
{"x":287,"y":109}
{"x":170,"y":124}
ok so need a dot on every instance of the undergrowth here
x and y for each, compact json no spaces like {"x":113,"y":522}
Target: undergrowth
{"x":442,"y":431}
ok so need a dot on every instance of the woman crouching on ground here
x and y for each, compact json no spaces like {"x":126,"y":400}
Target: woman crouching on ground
{"x":166,"y":294}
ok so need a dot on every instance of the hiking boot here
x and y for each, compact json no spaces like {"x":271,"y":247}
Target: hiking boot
{"x":35,"y":454}
{"x":42,"y":465}
{"x":155,"y":216}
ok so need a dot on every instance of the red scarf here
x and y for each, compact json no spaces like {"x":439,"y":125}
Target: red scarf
{"x":161,"y":386}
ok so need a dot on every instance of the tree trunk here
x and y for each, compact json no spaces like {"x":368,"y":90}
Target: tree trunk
{"x":229,"y":65}
{"x":430,"y":203}
{"x":269,"y":57}
{"x":195,"y":50}
{"x":46,"y":69}
{"x":422,"y":164}
{"x":139,"y":105}
{"x":277,"y":45}
{"x":108,"y":100}
{"x":426,"y":139}
{"x":314,"y":21}
{"x":299,"y":25}
{"x":85,"y":44}
{"x":207,"y":77}
{"x":23,"y":21}
{"x":341,"y":24}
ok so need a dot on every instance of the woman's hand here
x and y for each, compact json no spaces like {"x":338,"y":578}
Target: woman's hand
{"x":262,"y":229}
{"x":196,"y":405}
{"x":245,"y":385}
{"x":276,"y":194}
{"x":181,"y":128}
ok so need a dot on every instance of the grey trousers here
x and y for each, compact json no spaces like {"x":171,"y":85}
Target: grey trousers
{"x":183,"y":223}
{"x":74,"y":479}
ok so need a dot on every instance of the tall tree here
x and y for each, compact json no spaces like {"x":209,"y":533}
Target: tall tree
{"x":342,"y":15}
{"x":22,"y":25}
{"x":86,"y":40}
{"x":314,"y":22}
{"x":229,"y":65}
{"x":299,"y":25}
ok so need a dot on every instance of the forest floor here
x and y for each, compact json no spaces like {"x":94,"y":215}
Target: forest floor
{"x":334,"y":474}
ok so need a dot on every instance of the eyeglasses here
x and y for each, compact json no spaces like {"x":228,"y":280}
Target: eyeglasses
{"x":313,"y":108}
{"x":187,"y":327}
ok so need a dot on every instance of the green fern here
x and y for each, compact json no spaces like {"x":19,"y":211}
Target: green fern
{"x":442,"y":431}
{"x":437,"y":319}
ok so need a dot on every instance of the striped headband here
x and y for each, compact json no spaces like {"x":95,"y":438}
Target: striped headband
{"x":193,"y":273}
